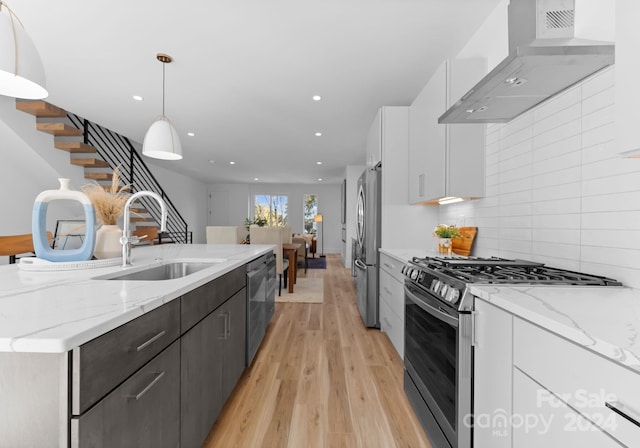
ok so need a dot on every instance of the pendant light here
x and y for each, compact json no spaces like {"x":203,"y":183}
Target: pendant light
{"x":21,"y":70}
{"x":161,"y":140}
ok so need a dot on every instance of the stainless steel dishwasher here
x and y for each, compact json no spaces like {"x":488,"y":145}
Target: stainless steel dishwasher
{"x":259,"y":309}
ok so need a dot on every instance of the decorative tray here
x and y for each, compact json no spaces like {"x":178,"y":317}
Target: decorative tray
{"x":39,"y":264}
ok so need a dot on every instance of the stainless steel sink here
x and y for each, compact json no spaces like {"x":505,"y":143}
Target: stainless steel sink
{"x":165,"y":271}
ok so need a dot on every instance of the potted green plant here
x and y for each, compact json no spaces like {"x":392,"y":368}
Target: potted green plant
{"x":445,"y":232}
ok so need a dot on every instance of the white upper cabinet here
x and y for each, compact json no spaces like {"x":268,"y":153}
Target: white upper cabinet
{"x":627,"y":72}
{"x":374,"y":141}
{"x":445,"y":160}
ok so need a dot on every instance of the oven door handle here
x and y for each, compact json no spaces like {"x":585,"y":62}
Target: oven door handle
{"x":435,"y":312}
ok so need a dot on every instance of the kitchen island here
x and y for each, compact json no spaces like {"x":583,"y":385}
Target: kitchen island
{"x":80,"y":355}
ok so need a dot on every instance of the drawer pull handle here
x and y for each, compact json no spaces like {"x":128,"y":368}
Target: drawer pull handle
{"x":624,"y":411}
{"x":387,"y":290}
{"x":387,"y":322}
{"x":390,"y":266}
{"x":150,"y":341}
{"x":148,"y":388}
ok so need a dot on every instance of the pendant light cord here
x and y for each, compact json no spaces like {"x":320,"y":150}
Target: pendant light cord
{"x":163,"y":65}
{"x":12,"y":16}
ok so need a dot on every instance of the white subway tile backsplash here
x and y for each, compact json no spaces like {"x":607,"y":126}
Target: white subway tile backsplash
{"x":558,"y":103}
{"x":598,"y":103}
{"x":563,"y":236}
{"x":623,"y":201}
{"x":599,"y":152}
{"x":557,"y":134}
{"x":564,"y":221}
{"x":624,"y":182}
{"x":603,"y":80}
{"x":622,"y":239}
{"x":558,"y":177}
{"x":558,"y":163}
{"x":562,"y":191}
{"x":557,"y":192}
{"x":557,"y":206}
{"x":609,"y":221}
{"x":555,"y":149}
{"x":551,"y":122}
{"x":599,"y":135}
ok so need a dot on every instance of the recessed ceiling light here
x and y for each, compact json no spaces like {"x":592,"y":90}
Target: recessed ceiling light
{"x":318,"y":163}
{"x":320,"y":180}
{"x":190,"y":134}
{"x":255,"y":178}
{"x":232,"y":163}
{"x":317,"y":97}
{"x":318,"y":134}
{"x":137,"y":97}
{"x":212,"y":161}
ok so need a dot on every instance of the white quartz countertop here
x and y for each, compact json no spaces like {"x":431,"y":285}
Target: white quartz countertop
{"x":52,"y":312}
{"x":605,"y":320}
{"x":405,"y":255}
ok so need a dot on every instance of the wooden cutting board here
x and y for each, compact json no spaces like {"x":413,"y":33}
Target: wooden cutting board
{"x":462,"y":246}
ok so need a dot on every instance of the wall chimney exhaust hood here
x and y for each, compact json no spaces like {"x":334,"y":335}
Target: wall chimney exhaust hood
{"x":553,"y":44}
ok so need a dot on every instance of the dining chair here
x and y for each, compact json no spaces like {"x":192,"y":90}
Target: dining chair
{"x":302,"y":251}
{"x":225,"y":234}
{"x":275,"y":236}
{"x":14,"y":245}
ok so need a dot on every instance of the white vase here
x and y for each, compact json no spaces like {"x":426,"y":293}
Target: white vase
{"x":108,"y":242}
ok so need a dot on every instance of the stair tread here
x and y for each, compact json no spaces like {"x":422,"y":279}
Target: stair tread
{"x":90,"y":163}
{"x":98,"y":176}
{"x":58,"y":129}
{"x":141,"y":219}
{"x":40,"y":109}
{"x":75,"y":147}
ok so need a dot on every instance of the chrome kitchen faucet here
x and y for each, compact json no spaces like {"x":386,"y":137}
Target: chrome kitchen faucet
{"x":126,"y":239}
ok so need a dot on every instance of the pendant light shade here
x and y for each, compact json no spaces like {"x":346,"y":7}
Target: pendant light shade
{"x":21,"y":70}
{"x":161,"y":140}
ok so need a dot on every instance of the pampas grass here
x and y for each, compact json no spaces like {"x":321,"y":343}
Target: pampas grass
{"x":108,"y":204}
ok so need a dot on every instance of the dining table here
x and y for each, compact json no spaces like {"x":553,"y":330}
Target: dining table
{"x":290,"y":251}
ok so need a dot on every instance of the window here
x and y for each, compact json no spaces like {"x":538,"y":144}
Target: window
{"x":310,"y":211}
{"x":272,"y":208}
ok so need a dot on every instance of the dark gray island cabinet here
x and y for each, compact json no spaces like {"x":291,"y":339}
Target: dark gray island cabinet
{"x":159,"y":380}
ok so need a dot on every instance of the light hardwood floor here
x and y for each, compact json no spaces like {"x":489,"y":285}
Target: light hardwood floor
{"x":321,"y":379}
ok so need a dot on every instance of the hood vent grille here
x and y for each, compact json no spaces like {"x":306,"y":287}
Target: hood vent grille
{"x":560,"y":19}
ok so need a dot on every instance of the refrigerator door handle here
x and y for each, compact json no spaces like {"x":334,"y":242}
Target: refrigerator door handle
{"x":360,"y":265}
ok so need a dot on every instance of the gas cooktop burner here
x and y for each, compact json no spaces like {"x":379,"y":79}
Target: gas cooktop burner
{"x":505,"y":271}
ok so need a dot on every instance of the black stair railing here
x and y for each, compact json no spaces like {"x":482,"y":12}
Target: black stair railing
{"x":118,"y":151}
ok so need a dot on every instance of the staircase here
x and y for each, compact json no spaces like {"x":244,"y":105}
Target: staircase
{"x":99,"y":151}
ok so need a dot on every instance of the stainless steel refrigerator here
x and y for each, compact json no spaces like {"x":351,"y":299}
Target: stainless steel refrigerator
{"x":368,"y":236}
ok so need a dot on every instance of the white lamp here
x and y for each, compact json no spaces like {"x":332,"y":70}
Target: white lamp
{"x":161,"y":140}
{"x":21,"y":70}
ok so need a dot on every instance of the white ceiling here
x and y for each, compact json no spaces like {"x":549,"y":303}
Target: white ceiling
{"x":244,"y":72}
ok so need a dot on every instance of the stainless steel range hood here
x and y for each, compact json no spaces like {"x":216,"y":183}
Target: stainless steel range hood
{"x":553,"y":44}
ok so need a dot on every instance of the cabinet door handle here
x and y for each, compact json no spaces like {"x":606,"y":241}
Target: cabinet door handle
{"x":148,"y":387}
{"x":150,"y":341}
{"x":227,"y":324}
{"x":624,"y":411}
{"x":387,"y":290}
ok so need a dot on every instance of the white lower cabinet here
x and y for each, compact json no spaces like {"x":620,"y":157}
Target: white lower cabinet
{"x":533,"y":388}
{"x":492,"y":375}
{"x":540,"y":419}
{"x":392,"y":301}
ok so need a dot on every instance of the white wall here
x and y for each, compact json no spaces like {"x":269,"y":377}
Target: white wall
{"x":234,"y":202}
{"x":557,"y":191}
{"x":188,"y":195}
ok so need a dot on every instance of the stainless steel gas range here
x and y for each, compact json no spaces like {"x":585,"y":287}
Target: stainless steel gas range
{"x":439,"y":327}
